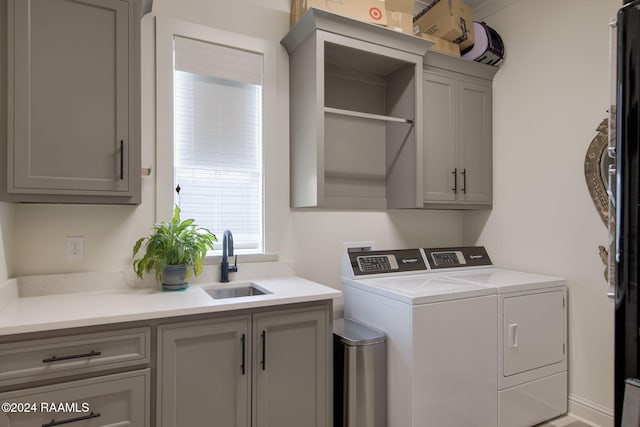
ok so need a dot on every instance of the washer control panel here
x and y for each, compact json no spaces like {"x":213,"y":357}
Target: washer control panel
{"x":393,"y":261}
{"x":377,"y":263}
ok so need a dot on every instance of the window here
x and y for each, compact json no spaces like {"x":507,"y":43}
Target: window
{"x":218,"y":139}
{"x":212,"y":129}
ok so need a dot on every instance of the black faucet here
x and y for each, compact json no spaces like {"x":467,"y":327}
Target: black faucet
{"x":227,"y":251}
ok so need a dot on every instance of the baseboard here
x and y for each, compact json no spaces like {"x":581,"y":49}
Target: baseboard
{"x":590,"y":412}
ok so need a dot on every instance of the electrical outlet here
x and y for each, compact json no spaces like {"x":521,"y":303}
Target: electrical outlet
{"x":359,"y":246}
{"x":75,"y":248}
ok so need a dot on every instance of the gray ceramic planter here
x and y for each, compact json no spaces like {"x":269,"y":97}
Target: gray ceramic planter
{"x":174,"y":278}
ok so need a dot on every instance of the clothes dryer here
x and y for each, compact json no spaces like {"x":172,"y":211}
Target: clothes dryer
{"x":532,"y":350}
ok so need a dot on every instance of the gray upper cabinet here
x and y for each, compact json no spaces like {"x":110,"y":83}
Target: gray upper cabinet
{"x":475,"y":142}
{"x":457,"y":157}
{"x":73,"y":101}
{"x":440,"y":138}
{"x":356,"y":114}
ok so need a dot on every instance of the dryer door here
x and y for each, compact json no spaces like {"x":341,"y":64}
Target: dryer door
{"x":533,"y":331}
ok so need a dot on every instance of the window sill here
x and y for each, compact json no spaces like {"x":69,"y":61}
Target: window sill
{"x":243,"y":258}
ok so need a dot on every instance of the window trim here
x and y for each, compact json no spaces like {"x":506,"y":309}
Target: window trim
{"x":166,"y":30}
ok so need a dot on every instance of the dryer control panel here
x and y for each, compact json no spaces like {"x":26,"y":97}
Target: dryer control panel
{"x":466,"y":256}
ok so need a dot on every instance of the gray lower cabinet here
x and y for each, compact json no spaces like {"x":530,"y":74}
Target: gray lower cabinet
{"x":204,"y":371}
{"x":73,"y":90}
{"x":110,"y":400}
{"x":457,"y":151}
{"x":266,"y":369}
{"x":290,"y":374}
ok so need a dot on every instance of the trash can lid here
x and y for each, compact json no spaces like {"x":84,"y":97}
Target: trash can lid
{"x":354,"y":333}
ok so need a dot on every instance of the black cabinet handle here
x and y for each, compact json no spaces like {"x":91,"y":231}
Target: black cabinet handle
{"x":264,"y":350}
{"x":71,"y":420}
{"x":121,"y":159}
{"x":72,"y":356}
{"x":243,"y":354}
{"x":455,"y":180}
{"x":464,"y":181}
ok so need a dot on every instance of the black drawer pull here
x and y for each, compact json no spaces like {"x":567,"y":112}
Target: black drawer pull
{"x":73,"y":356}
{"x":71,"y":420}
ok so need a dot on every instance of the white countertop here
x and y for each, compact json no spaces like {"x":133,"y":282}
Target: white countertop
{"x":70,"y":310}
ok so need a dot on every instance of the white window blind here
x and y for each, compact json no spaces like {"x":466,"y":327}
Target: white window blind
{"x":218,"y":139}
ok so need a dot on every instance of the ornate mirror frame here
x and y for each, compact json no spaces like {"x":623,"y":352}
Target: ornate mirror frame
{"x":593,"y":171}
{"x":596,"y":173}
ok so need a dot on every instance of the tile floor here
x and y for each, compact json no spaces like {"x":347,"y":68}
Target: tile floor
{"x":564,"y":422}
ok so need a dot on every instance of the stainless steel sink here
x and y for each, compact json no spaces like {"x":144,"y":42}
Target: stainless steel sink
{"x":236,"y":291}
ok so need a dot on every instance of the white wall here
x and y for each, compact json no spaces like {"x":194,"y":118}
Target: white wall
{"x":315,"y":237}
{"x":312,"y":239}
{"x":549,"y":97}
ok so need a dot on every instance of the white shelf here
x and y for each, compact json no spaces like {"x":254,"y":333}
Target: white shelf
{"x":366,"y":115}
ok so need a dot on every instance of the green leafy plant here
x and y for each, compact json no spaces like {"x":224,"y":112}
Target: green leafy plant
{"x":173,"y":242}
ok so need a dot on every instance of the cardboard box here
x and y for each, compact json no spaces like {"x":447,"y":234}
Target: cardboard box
{"x":372,"y":11}
{"x":400,"y":21}
{"x":448,"y":19}
{"x":405,"y":6}
{"x":442,"y":45}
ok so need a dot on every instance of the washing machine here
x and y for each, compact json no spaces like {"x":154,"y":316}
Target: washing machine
{"x":468,"y":344}
{"x":441,"y":338}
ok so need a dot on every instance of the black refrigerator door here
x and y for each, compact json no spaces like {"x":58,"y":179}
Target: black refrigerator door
{"x":627,"y":364}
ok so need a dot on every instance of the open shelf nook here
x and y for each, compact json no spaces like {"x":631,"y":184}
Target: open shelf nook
{"x":356,"y":114}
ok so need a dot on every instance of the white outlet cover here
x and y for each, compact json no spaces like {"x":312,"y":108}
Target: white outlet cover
{"x":75,"y":248}
{"x":367,"y":245}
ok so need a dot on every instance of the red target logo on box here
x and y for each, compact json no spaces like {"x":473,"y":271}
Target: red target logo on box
{"x":375,"y":13}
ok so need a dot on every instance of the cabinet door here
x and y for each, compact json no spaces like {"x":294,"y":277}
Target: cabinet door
{"x":291,"y":369}
{"x":439,"y":162}
{"x":69,"y":97}
{"x":203,"y":373}
{"x":474,"y":139}
{"x":111,"y":400}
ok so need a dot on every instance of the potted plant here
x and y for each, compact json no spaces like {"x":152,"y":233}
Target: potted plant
{"x":173,"y":249}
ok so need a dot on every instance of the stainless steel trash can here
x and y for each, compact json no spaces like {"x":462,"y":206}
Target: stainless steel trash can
{"x":360,"y":375}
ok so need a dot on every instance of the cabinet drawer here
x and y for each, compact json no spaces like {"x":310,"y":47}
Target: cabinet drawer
{"x":27,"y":361}
{"x":110,"y":400}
